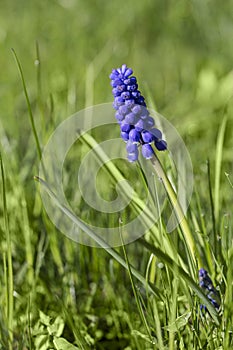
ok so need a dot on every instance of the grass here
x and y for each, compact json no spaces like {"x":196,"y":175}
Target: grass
{"x":59,"y":294}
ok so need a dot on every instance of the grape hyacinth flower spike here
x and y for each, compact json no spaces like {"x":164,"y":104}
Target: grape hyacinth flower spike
{"x":206,"y":285}
{"x":136,"y":124}
{"x":138,"y":131}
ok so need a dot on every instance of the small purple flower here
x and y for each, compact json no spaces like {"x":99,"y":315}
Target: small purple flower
{"x":130,"y":103}
{"x":147,"y":151}
{"x":132,"y":87}
{"x":157,"y":134}
{"x":121,"y":73}
{"x":125,"y":135}
{"x":149,"y":123}
{"x":137,"y":126}
{"x":140,"y":125}
{"x":126,"y":95}
{"x":130,"y":118}
{"x":136,"y":109}
{"x":161,"y":145}
{"x":134,"y":136}
{"x":206,"y":285}
{"x":131,"y":147}
{"x":147,"y":136}
{"x":119,"y":117}
{"x":132,"y":157}
{"x":125,"y":127}
{"x":123,"y":110}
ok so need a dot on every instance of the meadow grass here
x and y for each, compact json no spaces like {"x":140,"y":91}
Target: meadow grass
{"x":56,"y":293}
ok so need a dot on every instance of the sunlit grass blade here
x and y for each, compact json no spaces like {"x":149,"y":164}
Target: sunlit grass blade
{"x":193,"y":253}
{"x":116,"y":175}
{"x":203,"y":240}
{"x":97,"y":239}
{"x":229,"y":180}
{"x":218,"y":164}
{"x":137,"y":205}
{"x":214,"y":235}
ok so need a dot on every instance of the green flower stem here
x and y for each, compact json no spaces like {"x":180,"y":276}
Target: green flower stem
{"x":179,"y":213}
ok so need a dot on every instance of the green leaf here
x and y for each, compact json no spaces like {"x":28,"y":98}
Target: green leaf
{"x":56,"y":328}
{"x":41,"y":342}
{"x":63,"y":344}
{"x":180,"y":322}
{"x":44,"y":319}
{"x":143,"y":336}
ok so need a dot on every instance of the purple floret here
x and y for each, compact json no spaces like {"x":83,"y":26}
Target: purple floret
{"x":206,"y":285}
{"x":134,"y":136}
{"x":147,"y":151}
{"x":161,"y":145}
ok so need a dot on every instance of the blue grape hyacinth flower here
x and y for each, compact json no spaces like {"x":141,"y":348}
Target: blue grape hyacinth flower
{"x":206,"y":285}
{"x":136,"y":124}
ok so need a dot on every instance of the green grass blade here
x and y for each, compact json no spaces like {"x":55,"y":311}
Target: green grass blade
{"x":178,"y":270}
{"x":10,"y":283}
{"x":136,"y":204}
{"x":97,"y":239}
{"x":116,"y":175}
{"x":139,"y":306}
{"x":188,"y":237}
{"x":203,"y":241}
{"x":218,"y":163}
{"x":157,"y":325}
{"x":28,"y":104}
{"x":215,"y":246}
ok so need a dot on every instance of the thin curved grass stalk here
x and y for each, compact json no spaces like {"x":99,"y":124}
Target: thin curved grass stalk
{"x":28,"y":104}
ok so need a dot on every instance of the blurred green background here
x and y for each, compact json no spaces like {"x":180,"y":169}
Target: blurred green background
{"x":181,"y":52}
